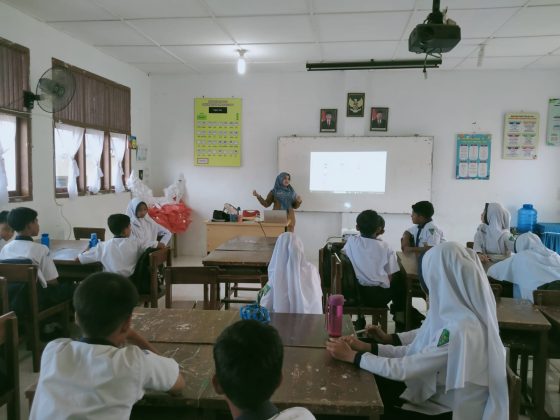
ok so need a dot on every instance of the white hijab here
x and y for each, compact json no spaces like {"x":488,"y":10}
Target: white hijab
{"x":145,"y":229}
{"x":532,"y":266}
{"x":462,"y":302}
{"x":294,"y":283}
{"x":494,"y":235}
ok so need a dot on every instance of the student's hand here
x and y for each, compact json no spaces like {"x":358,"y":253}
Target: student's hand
{"x":160,"y":245}
{"x":377,"y":333}
{"x":298,"y":197}
{"x":340,"y":350}
{"x":355,"y":343}
{"x":134,"y":338}
{"x":255,"y":193}
{"x":484,"y":258}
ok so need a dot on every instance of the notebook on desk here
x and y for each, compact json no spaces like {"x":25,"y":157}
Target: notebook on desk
{"x":275,"y":216}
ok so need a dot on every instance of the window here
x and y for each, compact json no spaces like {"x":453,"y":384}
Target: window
{"x":91,"y":137}
{"x":15,"y":124}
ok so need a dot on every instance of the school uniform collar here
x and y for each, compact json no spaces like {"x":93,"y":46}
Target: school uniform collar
{"x":420,"y":227}
{"x":23,"y":238}
{"x":263,"y":412}
{"x":98,"y":341}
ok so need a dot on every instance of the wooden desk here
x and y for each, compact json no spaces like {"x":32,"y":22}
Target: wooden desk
{"x":219,"y":232}
{"x":552,"y":313}
{"x":248,"y":243}
{"x":70,"y":269}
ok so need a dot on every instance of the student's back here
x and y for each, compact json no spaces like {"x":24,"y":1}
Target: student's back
{"x":373,"y":260}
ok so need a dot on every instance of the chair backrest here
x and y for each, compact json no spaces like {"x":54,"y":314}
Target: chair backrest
{"x":497,"y":290}
{"x":160,"y":257}
{"x":207,"y":276}
{"x":514,"y":393}
{"x":546,"y":297}
{"x":9,"y":344}
{"x":336,"y":275}
{"x":3,"y":296}
{"x":470,"y":245}
{"x":85,"y":233}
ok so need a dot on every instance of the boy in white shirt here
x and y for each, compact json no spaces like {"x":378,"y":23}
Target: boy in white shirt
{"x":6,"y":232}
{"x":424,"y":234}
{"x":248,"y":356}
{"x":50,"y":291}
{"x":98,"y":377}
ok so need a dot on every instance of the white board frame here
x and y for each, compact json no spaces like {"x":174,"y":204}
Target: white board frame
{"x":409,"y":172}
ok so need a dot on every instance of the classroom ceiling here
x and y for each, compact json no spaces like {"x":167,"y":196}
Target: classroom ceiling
{"x":202,"y":36}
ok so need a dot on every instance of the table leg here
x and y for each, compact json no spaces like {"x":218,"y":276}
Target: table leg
{"x":539,"y":375}
{"x":174,"y":245}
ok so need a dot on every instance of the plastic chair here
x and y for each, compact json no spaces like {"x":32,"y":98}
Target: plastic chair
{"x":85,"y":233}
{"x":206,"y":276}
{"x":9,"y":388}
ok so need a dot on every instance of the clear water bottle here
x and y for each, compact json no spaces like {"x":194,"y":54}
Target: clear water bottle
{"x":526,"y":219}
{"x":45,"y":239}
{"x":93,"y":240}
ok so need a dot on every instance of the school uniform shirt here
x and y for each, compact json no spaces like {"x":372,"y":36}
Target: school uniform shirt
{"x":532,"y":266}
{"x":373,"y":260}
{"x":429,"y":234}
{"x":269,"y":411}
{"x":39,"y":254}
{"x":117,"y":255}
{"x":494,"y":237}
{"x":146,"y":229}
{"x":456,"y":361}
{"x":2,"y":243}
{"x":294,"y":285}
{"x":97,"y":381}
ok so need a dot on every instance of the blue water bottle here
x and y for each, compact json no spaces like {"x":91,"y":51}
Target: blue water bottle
{"x":93,"y":240}
{"x":45,"y":239}
{"x":526,"y":219}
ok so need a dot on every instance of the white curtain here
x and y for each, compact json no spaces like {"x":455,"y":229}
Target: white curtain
{"x":7,"y":141}
{"x":94,"y":150}
{"x":118,"y":147}
{"x":67,"y":141}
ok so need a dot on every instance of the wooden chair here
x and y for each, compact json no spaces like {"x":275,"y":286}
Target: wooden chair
{"x":550,"y":298}
{"x":85,"y":233}
{"x":4,"y":306}
{"x":497,"y":290}
{"x":26,"y":274}
{"x":240,"y":275}
{"x":158,"y":261}
{"x":379,"y":315}
{"x":514,"y":393}
{"x":9,"y":387}
{"x":206,"y":276}
{"x":470,"y":245}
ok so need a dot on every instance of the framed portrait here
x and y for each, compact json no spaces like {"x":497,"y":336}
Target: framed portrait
{"x":355,"y":104}
{"x":379,"y":119}
{"x":327,"y":123}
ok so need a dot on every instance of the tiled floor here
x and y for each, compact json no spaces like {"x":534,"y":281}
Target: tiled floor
{"x":193,"y":292}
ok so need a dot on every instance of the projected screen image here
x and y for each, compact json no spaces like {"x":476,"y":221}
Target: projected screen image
{"x":348,"y":172}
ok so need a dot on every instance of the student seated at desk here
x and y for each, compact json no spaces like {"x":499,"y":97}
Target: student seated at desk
{"x":424,"y":234}
{"x":294,"y":285}
{"x":50,"y":291}
{"x":6,"y":232}
{"x":99,"y":376}
{"x":493,"y":235}
{"x":456,"y":361}
{"x":531,"y":266}
{"x":248,"y":356}
{"x":144,"y":228}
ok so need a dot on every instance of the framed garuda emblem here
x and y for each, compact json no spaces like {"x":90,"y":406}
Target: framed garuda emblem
{"x":355,"y":104}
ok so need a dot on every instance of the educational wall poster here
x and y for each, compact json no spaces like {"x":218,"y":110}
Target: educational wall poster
{"x":473,"y":156}
{"x":553,"y":123}
{"x":521,"y":135}
{"x":217,"y":131}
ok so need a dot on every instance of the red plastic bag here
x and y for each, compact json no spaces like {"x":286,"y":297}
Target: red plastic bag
{"x":175,"y":217}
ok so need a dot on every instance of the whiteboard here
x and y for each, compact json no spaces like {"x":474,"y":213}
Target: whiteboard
{"x":408,"y":172}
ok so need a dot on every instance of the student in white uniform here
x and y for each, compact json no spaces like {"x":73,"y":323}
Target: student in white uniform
{"x":248,"y":357}
{"x":50,"y":291}
{"x":424,"y":234}
{"x":100,"y":376}
{"x":294,"y":285}
{"x":530,"y":267}
{"x":456,"y":361}
{"x":6,"y":232}
{"x":121,"y":253}
{"x":144,"y":228}
{"x":493,"y":235}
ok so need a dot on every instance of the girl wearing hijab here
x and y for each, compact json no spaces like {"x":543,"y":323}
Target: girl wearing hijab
{"x":145,"y":229}
{"x":294,"y":285}
{"x":493,"y":235}
{"x":455,"y":366}
{"x":284,"y":198}
{"x":532,"y":266}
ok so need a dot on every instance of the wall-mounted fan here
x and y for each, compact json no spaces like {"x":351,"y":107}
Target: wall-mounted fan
{"x":55,"y":89}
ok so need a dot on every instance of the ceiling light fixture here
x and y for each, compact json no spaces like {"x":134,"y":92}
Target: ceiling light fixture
{"x":374,"y":65}
{"x":241,"y":63}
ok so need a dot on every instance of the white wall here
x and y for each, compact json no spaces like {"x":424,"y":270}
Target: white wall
{"x":283,"y":104}
{"x":44,"y":43}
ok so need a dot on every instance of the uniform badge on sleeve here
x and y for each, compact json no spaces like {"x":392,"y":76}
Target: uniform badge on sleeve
{"x":443,"y":338}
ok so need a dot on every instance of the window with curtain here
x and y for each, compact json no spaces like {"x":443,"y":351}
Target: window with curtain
{"x":95,"y":141}
{"x":15,"y":124}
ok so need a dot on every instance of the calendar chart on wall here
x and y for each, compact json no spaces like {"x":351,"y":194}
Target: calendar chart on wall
{"x":217,"y":131}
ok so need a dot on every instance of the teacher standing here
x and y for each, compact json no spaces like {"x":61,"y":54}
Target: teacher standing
{"x":284,"y":198}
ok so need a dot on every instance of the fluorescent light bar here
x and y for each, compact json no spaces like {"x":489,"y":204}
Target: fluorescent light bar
{"x":374,"y":65}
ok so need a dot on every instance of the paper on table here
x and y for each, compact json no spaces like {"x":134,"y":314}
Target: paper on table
{"x":66,"y":254}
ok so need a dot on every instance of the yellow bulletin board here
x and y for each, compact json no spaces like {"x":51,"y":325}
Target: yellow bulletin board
{"x":217,"y":131}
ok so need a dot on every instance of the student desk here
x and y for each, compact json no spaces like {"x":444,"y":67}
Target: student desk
{"x":68,"y":268}
{"x":248,"y":243}
{"x":219,"y":232}
{"x":552,"y":313}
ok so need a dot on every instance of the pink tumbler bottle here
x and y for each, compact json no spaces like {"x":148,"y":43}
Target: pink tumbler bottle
{"x":334,"y":315}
